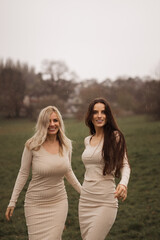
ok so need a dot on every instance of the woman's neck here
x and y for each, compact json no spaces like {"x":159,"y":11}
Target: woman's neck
{"x":51,"y":138}
{"x":99,"y":132}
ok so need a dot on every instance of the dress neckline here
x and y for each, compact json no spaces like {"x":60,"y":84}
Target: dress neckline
{"x":53,"y":154}
{"x":97,"y":145}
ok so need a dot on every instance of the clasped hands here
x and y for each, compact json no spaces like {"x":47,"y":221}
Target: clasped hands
{"x":121,"y":192}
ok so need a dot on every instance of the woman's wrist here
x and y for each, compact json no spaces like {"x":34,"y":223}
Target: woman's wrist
{"x":123,"y":185}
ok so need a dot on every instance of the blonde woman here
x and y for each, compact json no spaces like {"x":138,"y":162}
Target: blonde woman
{"x":48,"y":153}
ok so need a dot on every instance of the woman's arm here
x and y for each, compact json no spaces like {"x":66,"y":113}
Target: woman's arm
{"x":71,"y":178}
{"x":121,"y":190}
{"x":125,"y":172}
{"x":20,"y":181}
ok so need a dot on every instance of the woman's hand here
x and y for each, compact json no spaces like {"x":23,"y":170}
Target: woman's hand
{"x":9,"y":213}
{"x":121,"y":192}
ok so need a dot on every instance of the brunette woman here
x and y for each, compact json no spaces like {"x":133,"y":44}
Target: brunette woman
{"x":104,"y":157}
{"x":48,"y":153}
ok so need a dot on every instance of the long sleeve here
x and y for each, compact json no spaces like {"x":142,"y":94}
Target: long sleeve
{"x":22,"y":176}
{"x":125,"y":172}
{"x":71,"y":178}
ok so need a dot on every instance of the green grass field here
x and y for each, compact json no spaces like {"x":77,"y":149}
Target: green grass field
{"x":138,"y":217}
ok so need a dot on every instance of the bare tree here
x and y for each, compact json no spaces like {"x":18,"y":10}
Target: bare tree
{"x":152,"y":98}
{"x":55,"y":69}
{"x":12,"y":88}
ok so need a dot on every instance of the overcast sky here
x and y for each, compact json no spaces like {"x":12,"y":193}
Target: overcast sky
{"x":96,"y":38}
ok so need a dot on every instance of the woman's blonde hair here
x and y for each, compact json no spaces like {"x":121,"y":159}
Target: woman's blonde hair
{"x":41,"y":129}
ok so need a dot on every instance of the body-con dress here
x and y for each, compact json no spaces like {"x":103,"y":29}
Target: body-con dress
{"x":46,"y":203}
{"x":97,"y":205}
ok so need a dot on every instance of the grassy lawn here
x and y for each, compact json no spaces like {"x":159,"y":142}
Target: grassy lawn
{"x":138,"y":217}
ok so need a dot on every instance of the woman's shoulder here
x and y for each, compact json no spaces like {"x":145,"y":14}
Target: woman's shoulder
{"x":27,"y":152}
{"x":87,"y":139}
{"x":118,"y":135}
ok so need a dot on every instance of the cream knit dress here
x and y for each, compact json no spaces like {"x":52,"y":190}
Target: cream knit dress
{"x":46,"y":203}
{"x":97,"y":205}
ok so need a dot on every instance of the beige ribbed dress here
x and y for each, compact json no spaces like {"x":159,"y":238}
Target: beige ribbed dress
{"x":97,"y":205}
{"x":46,"y":203}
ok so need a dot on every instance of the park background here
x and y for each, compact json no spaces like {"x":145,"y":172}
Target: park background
{"x":113,"y":49}
{"x":135,"y":103}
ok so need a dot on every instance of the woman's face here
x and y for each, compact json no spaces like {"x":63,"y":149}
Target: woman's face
{"x":99,"y":118}
{"x":53,"y":124}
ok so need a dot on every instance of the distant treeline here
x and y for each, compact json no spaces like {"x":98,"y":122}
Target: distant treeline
{"x":23,"y":92}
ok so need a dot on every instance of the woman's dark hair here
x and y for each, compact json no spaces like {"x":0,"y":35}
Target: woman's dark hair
{"x":114,"y":146}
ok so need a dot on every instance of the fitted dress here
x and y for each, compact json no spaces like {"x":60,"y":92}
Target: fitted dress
{"x":46,"y":203}
{"x":97,"y":204}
